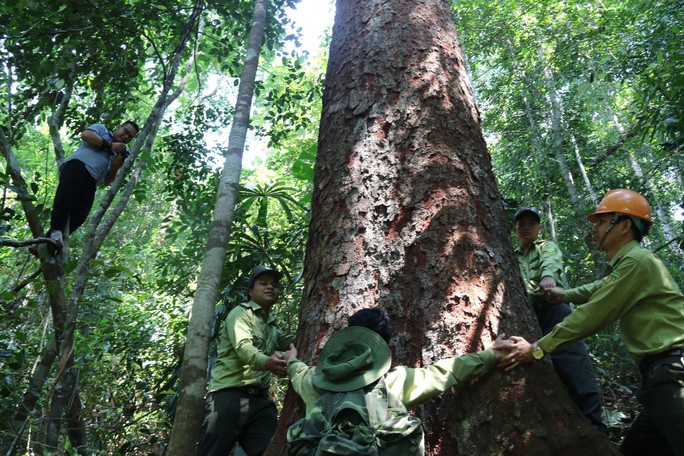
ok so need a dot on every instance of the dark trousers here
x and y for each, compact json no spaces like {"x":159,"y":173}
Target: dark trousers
{"x":235,"y":417}
{"x":74,"y":197}
{"x":659,"y":428}
{"x":573,"y":366}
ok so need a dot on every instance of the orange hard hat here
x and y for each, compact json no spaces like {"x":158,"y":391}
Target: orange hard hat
{"x":626,"y":202}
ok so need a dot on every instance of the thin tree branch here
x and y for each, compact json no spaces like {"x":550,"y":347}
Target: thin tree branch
{"x":678,"y":238}
{"x":610,"y":150}
{"x":26,"y":281}
{"x":26,"y":242}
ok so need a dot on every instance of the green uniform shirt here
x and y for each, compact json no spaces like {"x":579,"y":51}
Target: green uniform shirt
{"x":411,"y":385}
{"x":542,"y":259}
{"x":640,"y":293}
{"x":248,"y":338}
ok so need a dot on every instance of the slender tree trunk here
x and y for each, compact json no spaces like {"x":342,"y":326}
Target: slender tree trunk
{"x":656,"y":207}
{"x":583,"y":170}
{"x":55,"y":122}
{"x":556,"y":110}
{"x":14,"y":170}
{"x":187,"y":422}
{"x":552,"y":227}
{"x":39,"y":376}
{"x":406,"y":215}
{"x":53,"y":421}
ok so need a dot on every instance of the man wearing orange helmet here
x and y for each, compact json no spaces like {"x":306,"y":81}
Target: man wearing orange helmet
{"x":641,"y":294}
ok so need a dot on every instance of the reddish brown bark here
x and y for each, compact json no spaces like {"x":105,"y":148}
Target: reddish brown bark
{"x":406,"y":215}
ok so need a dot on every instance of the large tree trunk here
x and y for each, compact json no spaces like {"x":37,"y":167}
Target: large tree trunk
{"x":406,"y":215}
{"x":187,"y":422}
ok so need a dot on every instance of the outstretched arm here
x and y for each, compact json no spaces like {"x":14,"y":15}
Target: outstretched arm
{"x":414,"y":386}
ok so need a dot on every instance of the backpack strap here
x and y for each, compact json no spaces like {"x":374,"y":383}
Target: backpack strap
{"x":377,"y":403}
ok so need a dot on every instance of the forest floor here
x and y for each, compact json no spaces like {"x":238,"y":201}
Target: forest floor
{"x":619,"y":380}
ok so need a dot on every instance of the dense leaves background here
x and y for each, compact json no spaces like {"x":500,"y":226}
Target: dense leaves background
{"x":576,"y":99}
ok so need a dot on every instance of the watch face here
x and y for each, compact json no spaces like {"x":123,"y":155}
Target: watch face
{"x":538,"y":353}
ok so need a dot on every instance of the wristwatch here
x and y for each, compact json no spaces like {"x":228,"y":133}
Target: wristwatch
{"x":537,"y":351}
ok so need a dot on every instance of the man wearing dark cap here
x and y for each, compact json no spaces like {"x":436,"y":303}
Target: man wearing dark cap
{"x":238,"y":406}
{"x":541,"y":263}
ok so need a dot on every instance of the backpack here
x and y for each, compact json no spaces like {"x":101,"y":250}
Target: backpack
{"x":369,"y":421}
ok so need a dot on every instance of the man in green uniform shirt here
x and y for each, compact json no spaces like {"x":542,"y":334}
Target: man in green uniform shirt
{"x":541,"y":265}
{"x":641,"y":294}
{"x":411,"y":386}
{"x":238,"y":406}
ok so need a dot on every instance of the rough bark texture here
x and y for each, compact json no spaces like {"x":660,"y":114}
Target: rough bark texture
{"x":406,"y":215}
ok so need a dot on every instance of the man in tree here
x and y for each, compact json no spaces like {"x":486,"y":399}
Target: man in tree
{"x":641,"y":294}
{"x":541,"y":264}
{"x":351,"y":361}
{"x":238,"y":406}
{"x":97,"y":160}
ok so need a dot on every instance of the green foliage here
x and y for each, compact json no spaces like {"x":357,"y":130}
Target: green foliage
{"x":600,"y":60}
{"x":293,"y":95}
{"x":130,"y":336}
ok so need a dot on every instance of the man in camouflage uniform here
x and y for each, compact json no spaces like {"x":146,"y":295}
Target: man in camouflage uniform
{"x":354,"y":366}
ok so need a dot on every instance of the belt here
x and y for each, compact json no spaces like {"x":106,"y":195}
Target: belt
{"x":647,"y":360}
{"x":253,"y":391}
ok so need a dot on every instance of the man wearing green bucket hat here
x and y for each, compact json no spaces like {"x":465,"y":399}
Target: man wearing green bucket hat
{"x":356,"y":404}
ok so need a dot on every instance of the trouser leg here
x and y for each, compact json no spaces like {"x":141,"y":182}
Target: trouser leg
{"x":74,"y":197}
{"x":220,"y":429}
{"x":661,"y":423}
{"x":644,"y":438}
{"x":574,"y":368}
{"x":260,"y":426}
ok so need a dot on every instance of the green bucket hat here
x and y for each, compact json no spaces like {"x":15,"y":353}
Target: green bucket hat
{"x":351,"y":359}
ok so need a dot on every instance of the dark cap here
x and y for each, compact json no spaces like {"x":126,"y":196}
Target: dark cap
{"x":261,"y":269}
{"x":527,"y":210}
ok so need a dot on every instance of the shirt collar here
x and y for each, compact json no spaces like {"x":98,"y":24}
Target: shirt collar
{"x":622,"y":252}
{"x":257,"y":308}
{"x":519,"y":248}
